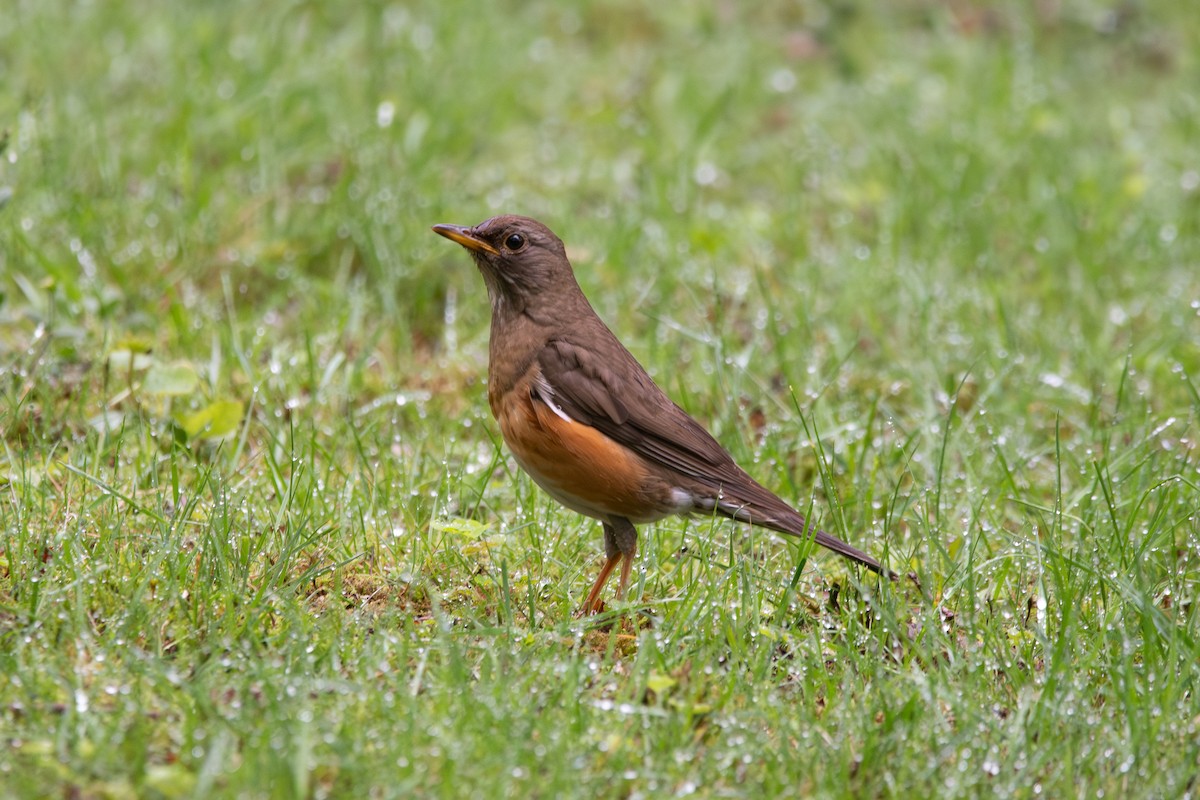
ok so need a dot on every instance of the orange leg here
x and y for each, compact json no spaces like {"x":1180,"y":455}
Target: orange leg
{"x":620,"y":544}
{"x":592,"y":604}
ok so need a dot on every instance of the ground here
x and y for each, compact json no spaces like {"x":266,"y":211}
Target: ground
{"x":931,"y":271}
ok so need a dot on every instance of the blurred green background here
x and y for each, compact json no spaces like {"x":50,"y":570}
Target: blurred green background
{"x":929,"y":269}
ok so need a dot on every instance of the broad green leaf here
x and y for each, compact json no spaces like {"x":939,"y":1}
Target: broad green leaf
{"x":215,"y":421}
{"x":460,"y":526}
{"x":658,"y":682}
{"x":173,"y":380}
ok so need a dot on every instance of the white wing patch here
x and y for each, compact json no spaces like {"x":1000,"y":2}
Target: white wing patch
{"x":684,"y":501}
{"x":545,"y":393}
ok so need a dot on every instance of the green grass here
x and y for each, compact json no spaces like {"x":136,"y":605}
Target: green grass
{"x":929,"y":271}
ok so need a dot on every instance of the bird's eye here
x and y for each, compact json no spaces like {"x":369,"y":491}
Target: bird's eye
{"x":514,"y":242}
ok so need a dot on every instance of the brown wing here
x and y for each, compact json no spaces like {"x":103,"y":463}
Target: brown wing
{"x":628,"y":407}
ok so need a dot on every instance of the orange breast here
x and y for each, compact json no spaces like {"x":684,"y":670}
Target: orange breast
{"x":576,"y":464}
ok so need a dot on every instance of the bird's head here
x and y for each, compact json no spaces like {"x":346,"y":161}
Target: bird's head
{"x":520,"y":259}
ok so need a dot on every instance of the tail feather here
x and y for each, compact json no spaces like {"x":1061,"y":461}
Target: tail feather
{"x":770,"y":512}
{"x":854,"y":554}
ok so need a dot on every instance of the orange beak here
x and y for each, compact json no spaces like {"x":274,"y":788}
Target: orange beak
{"x":465,"y":237}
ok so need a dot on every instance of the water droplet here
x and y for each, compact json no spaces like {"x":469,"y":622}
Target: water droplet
{"x":783,"y":80}
{"x":385,"y":114}
{"x":705,"y":174}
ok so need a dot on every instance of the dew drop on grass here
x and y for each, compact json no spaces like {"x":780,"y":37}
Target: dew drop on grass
{"x":385,"y":114}
{"x":783,"y":80}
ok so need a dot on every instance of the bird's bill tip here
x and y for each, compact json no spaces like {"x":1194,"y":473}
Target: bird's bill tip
{"x":464,"y":236}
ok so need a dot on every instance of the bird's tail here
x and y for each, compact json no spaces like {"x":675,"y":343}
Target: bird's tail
{"x":854,"y":554}
{"x":757,"y":506}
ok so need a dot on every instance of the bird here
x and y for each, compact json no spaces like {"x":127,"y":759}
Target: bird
{"x":586,"y":421}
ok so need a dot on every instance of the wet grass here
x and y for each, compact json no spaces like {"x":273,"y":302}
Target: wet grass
{"x":930,"y":271}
